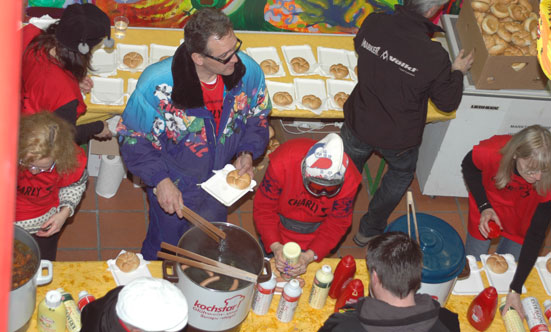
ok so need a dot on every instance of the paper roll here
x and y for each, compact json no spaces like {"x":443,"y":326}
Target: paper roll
{"x":111,"y":173}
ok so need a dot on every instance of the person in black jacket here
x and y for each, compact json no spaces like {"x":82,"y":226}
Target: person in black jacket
{"x":395,"y":263}
{"x":143,"y":305}
{"x":399,"y":69}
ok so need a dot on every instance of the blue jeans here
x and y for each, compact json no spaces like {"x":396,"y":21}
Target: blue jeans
{"x":476,"y":247}
{"x":395,"y":182}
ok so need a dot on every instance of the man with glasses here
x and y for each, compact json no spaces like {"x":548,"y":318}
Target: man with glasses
{"x":189,"y":115}
{"x":307,"y":197}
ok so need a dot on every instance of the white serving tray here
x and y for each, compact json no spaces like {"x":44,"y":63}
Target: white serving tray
{"x":545,"y":276}
{"x":303,"y":51}
{"x":305,"y":86}
{"x":260,"y":54}
{"x":123,"y":49}
{"x":104,"y":62}
{"x":131,"y":86}
{"x":218,"y":188}
{"x":353,"y":61}
{"x":274,"y":87}
{"x":332,"y":56}
{"x":123,"y":278}
{"x":107,"y":91}
{"x":156,"y":52}
{"x":473,"y":285}
{"x":501,"y":281}
{"x":334,"y":87}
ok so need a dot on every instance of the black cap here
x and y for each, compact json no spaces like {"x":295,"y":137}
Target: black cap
{"x":83,"y":26}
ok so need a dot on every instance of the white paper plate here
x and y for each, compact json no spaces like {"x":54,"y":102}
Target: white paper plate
{"x":353,"y":61}
{"x":334,"y":87}
{"x":332,"y":56}
{"x":104,"y":62}
{"x":275,"y":87}
{"x":156,"y":52}
{"x":260,"y":54}
{"x":315,"y":87}
{"x":107,"y":91}
{"x":123,"y":278}
{"x":131,"y":86}
{"x":545,"y":276}
{"x":501,"y":281}
{"x":218,"y":188}
{"x":123,"y":49}
{"x":303,"y":51}
{"x":473,"y":284}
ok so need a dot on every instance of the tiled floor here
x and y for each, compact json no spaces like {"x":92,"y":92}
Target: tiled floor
{"x":102,"y":227}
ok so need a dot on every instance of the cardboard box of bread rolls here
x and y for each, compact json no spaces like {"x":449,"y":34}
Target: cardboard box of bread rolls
{"x":513,"y":65}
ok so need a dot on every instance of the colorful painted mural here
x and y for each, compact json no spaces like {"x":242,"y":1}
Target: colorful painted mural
{"x":323,"y":16}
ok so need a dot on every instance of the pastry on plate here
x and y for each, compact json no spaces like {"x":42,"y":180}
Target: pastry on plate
{"x":132,"y":59}
{"x":269,"y":67}
{"x":238,"y":182}
{"x":497,"y":264}
{"x":340,"y":98}
{"x":300,"y":65}
{"x":311,"y":101}
{"x":282,"y":98}
{"x":338,"y":70}
{"x":128,"y":261}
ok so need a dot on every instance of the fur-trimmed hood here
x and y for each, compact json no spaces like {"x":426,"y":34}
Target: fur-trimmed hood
{"x":186,"y":91}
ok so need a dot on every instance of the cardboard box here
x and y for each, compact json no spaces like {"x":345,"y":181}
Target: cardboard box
{"x":98,"y":148}
{"x":495,"y":72}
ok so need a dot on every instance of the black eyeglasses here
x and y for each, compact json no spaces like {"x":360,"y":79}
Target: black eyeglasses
{"x":226,"y":60}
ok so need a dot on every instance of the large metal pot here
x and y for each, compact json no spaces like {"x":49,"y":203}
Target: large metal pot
{"x":23,"y":298}
{"x":216,"y":308}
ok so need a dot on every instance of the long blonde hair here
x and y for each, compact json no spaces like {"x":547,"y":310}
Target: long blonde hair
{"x":44,"y":135}
{"x":532,"y":143}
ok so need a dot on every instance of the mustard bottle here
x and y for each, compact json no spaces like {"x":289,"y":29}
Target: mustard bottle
{"x":51,"y":313}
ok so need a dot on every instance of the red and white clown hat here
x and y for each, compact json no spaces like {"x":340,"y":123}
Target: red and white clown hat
{"x":326,"y":159}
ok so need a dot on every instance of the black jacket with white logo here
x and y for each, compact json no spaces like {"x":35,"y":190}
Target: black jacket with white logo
{"x":399,"y":69}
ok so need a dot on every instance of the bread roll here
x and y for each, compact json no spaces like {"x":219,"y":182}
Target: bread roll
{"x":272,"y":145}
{"x":300,"y":65}
{"x":480,"y":6}
{"x":269,"y":67}
{"x":521,"y":38}
{"x":497,"y":264}
{"x":503,"y":33}
{"x":513,"y":26}
{"x":282,"y":98}
{"x":271,"y":132}
{"x":311,"y":101}
{"x":238,"y":182}
{"x":338,"y":70}
{"x":548,"y":265}
{"x":513,"y":51}
{"x":489,"y":40}
{"x":340,"y":98}
{"x":518,"y":65}
{"x":500,"y":10}
{"x":518,"y":12}
{"x":497,"y":49}
{"x":490,"y":24}
{"x":132,"y":59}
{"x":128,"y":261}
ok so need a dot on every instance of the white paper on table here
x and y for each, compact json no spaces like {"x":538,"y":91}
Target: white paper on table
{"x":353,"y":61}
{"x":107,"y":91}
{"x":471,"y":285}
{"x":123,"y":49}
{"x":275,"y":87}
{"x":156,"y":52}
{"x":303,"y":51}
{"x":501,"y":281}
{"x":334,"y":87}
{"x":218,"y":187}
{"x":544,"y":274}
{"x":123,"y":278}
{"x":332,"y":56}
{"x":260,"y":54}
{"x":104,"y":62}
{"x":305,"y":86}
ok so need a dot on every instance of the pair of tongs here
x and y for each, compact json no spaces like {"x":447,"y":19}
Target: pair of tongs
{"x":204,"y":263}
{"x":411,"y":206}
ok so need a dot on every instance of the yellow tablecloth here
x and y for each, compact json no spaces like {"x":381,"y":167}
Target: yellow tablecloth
{"x":172,"y":37}
{"x":94,"y":277}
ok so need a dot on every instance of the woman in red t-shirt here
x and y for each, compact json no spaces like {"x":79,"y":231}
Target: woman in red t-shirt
{"x":509,"y":183}
{"x":51,"y":178}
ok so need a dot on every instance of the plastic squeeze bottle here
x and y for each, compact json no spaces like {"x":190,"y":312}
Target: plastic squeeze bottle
{"x":51,"y":313}
{"x":72,"y":314}
{"x":320,"y":287}
{"x":345,"y":270}
{"x":289,"y":301}
{"x":511,"y":319}
{"x":352,"y":292}
{"x":263,"y":296}
{"x":83,"y":299}
{"x":483,"y":308}
{"x":291,"y":252}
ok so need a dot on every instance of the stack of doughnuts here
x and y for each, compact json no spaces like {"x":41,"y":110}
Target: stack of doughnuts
{"x":509,"y":27}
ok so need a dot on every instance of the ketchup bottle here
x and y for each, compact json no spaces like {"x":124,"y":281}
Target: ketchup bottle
{"x":353,"y":290}
{"x":495,"y":231}
{"x":482,"y":310}
{"x":345,"y":270}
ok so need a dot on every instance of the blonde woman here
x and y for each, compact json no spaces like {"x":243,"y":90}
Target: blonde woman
{"x":51,"y":178}
{"x":509,"y":182}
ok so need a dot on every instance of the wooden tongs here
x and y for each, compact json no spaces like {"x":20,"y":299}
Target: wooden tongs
{"x":203,"y":224}
{"x":411,"y":206}
{"x":204,"y":263}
